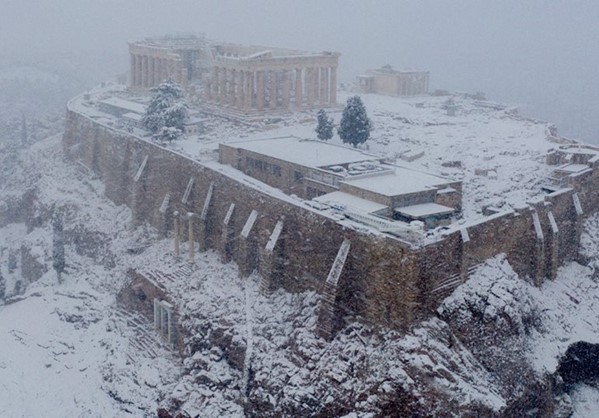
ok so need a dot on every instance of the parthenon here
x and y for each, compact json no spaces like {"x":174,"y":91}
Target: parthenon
{"x":242,"y":79}
{"x":273,"y":79}
{"x":180,"y":59}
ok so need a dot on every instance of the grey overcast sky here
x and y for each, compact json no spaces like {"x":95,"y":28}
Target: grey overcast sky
{"x":539,"y":54}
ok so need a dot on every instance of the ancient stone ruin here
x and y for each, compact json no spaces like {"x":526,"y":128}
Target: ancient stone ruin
{"x":241,"y":79}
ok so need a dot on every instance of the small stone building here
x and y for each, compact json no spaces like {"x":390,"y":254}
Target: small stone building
{"x":392,"y":82}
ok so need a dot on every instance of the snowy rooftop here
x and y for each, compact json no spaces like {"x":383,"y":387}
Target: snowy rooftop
{"x":308,"y":153}
{"x":572,"y":168}
{"x":497,"y":154}
{"x":124,"y":104}
{"x":423,"y":210}
{"x":175,"y":42}
{"x":350,"y":201}
{"x":399,"y":181}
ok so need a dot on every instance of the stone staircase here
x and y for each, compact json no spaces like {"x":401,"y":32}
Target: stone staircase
{"x":183,"y":273}
{"x":144,"y":341}
{"x":445,"y":287}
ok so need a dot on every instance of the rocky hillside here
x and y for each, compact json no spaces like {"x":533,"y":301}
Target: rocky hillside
{"x":491,"y":351}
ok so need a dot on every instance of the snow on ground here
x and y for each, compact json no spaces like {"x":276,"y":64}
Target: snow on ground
{"x":62,"y":354}
{"x":499,"y":155}
{"x":544,"y":321}
{"x":570,"y":304}
{"x":67,"y":349}
{"x":70,"y":347}
{"x":585,"y":399}
{"x":293,"y":370}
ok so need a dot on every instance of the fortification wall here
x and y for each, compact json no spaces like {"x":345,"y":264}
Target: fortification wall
{"x":380,"y":276}
{"x":385,"y":280}
{"x":537,"y":239}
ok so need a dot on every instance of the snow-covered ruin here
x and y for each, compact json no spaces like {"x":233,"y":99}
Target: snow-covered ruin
{"x":245,"y":80}
{"x":261,"y":272}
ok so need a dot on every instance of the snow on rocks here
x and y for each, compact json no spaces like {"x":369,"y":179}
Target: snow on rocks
{"x":96,"y":360}
{"x":65,"y":345}
{"x":494,"y":297}
{"x":293,"y":372}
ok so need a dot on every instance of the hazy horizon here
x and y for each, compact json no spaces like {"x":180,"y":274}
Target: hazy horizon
{"x":538,"y":55}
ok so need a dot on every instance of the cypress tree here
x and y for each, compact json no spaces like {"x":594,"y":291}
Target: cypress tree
{"x":355,"y":126}
{"x":324,"y":130}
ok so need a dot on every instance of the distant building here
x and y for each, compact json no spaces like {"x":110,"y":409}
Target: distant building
{"x":346,"y":178}
{"x":239,"y":79}
{"x":182,"y":59}
{"x":392,"y":82}
{"x":120,"y":107}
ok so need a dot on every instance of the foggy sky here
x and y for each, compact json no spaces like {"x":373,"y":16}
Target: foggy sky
{"x":540,"y":55}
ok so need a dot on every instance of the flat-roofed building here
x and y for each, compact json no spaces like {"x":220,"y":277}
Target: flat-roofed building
{"x":120,"y":107}
{"x":346,"y":178}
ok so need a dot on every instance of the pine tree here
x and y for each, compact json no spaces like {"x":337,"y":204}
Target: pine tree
{"x":167,"y":109}
{"x":355,"y":126}
{"x":2,"y":287}
{"x":58,"y":260}
{"x":324,"y":130}
{"x":12,"y":261}
{"x":24,"y":135}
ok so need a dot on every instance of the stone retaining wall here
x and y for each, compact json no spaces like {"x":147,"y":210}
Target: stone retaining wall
{"x":385,"y":280}
{"x":380,"y":276}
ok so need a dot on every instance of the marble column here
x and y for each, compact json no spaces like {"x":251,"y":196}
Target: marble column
{"x":309,"y":80}
{"x":299,"y":89}
{"x":285,"y":89}
{"x":246,"y":90}
{"x":152,"y":72}
{"x":157,"y":72}
{"x":222,"y":94}
{"x":137,"y":71}
{"x":260,"y":90}
{"x":240,"y":97}
{"x":164,"y":69}
{"x":324,"y":85}
{"x":333,"y":85}
{"x":250,"y":102}
{"x":273,"y":89}
{"x":231,"y":96}
{"x":140,"y":71}
{"x":132,"y":70}
{"x":315,"y":80}
{"x":161,"y":70}
{"x":144,"y":71}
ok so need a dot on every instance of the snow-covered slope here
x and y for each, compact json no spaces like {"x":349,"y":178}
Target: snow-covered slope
{"x":67,"y":348}
{"x":70,"y":347}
